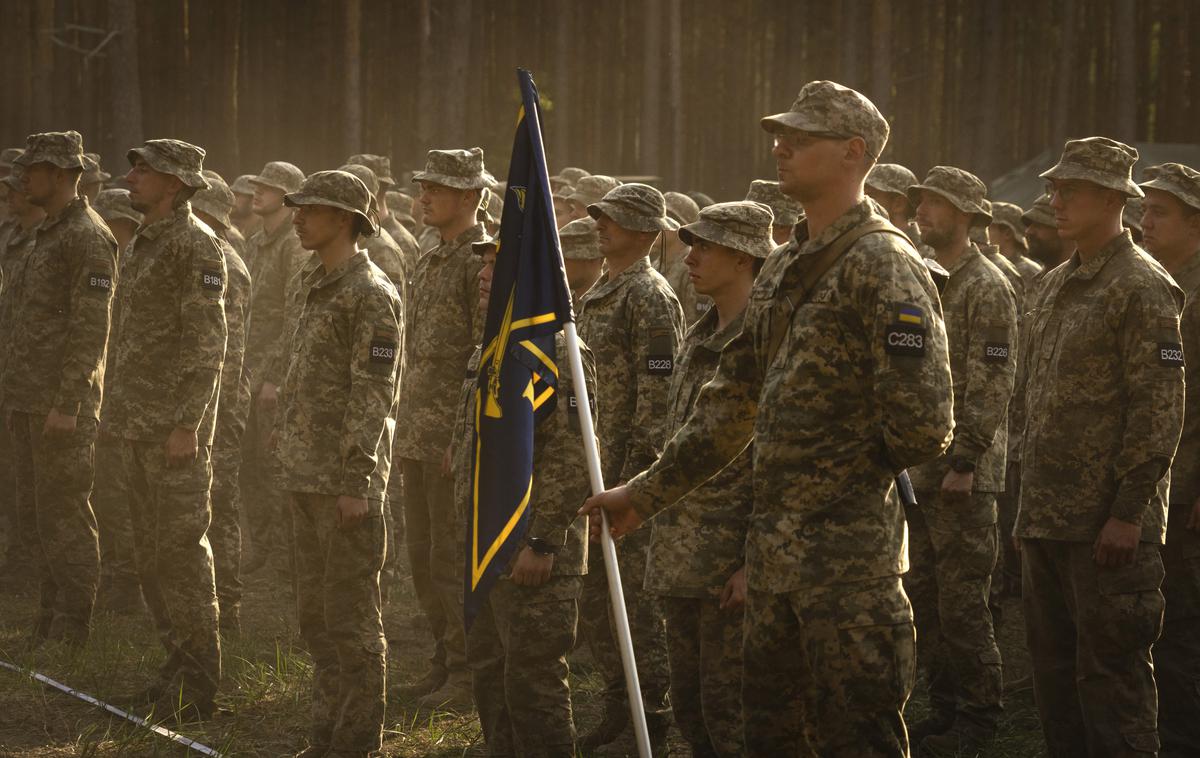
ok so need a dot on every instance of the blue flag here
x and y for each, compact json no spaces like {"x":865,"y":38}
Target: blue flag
{"x":518,"y":371}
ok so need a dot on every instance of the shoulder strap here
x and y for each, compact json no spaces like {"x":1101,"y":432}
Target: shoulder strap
{"x":817,"y":268}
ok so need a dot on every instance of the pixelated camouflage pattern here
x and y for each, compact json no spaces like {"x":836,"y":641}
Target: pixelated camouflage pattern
{"x":177,"y":158}
{"x":1185,"y":470}
{"x":338,"y":189}
{"x":274,"y":258}
{"x":787,"y":211}
{"x":459,"y":169}
{"x":281,"y":175}
{"x":62,"y":149}
{"x":580,"y":240}
{"x":380,"y":165}
{"x":1098,"y":160}
{"x":744,"y":226}
{"x":592,"y":189}
{"x":1040,"y":213}
{"x":681,"y":207}
{"x":891,"y":177}
{"x":638,"y":207}
{"x":1181,"y":181}
{"x":962,"y":189}
{"x":113,"y":204}
{"x":825,"y":107}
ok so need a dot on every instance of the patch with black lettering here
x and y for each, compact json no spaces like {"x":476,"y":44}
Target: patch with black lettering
{"x":1170,"y":354}
{"x":660,"y":357}
{"x":995,"y":352}
{"x":99,"y":282}
{"x":212,"y":281}
{"x":573,"y":409}
{"x":904,"y":339}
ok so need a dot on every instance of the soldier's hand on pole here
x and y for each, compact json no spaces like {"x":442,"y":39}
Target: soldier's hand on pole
{"x":58,"y":425}
{"x":1193,"y":521}
{"x":531,"y":569}
{"x":1117,"y":543}
{"x":733,"y":594}
{"x":181,"y":447}
{"x":350,"y":510}
{"x":618,"y":504}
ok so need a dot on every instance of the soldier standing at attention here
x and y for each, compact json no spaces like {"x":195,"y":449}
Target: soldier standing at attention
{"x":633,"y":323}
{"x":1103,"y":412}
{"x":165,"y":368}
{"x":339,"y":391}
{"x":697,"y":550}
{"x":1171,"y":229}
{"x":243,"y":215}
{"x":381,"y":166}
{"x":841,"y":377}
{"x":53,"y":379}
{"x":787,"y":211}
{"x":953,"y":540}
{"x":444,"y":326}
{"x":887,"y":184}
{"x":1041,"y":237}
{"x":1008,"y":234}
{"x":581,"y":255}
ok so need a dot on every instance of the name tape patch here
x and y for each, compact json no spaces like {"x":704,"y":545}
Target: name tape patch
{"x":662,"y":365}
{"x":1170,"y":354}
{"x":383,"y":351}
{"x":995,"y":352}
{"x":904,"y":339}
{"x":100,"y":282}
{"x":212,"y":281}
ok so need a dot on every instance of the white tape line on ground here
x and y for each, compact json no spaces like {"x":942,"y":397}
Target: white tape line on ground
{"x":162,"y":731}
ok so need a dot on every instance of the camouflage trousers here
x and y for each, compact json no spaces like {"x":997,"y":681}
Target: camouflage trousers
{"x":340,"y":621}
{"x":265,"y":505}
{"x":110,"y":497}
{"x":826,"y":670}
{"x":704,"y":647}
{"x":225,"y":533}
{"x":171,"y":513}
{"x":1006,"y":578}
{"x":18,"y":513}
{"x":1089,"y":630}
{"x":1177,"y":652}
{"x":434,"y":537}
{"x":517,"y":650}
{"x":56,"y":476}
{"x":596,"y":629}
{"x":952,"y":551}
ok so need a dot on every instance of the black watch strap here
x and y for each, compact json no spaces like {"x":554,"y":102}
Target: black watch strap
{"x":541,"y":546}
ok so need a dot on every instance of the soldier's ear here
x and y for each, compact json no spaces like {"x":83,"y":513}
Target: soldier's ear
{"x":856,"y":152}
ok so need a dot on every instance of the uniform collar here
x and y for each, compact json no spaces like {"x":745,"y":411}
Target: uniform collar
{"x":972,"y":253}
{"x":154,"y":230}
{"x":606,"y":285}
{"x":1087,"y":271}
{"x":318,"y":278}
{"x":1189,"y":271}
{"x":856,"y":215}
{"x":472,"y":234}
{"x":717,"y":339}
{"x":78,"y":204}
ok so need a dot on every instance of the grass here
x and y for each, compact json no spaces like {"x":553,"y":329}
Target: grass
{"x":265,"y":689}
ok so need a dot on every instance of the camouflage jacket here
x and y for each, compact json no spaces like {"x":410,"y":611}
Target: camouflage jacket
{"x":410,"y":250}
{"x":698,"y":543}
{"x":273,"y":259}
{"x":62,"y":306}
{"x":234,"y":405}
{"x":858,"y":390}
{"x":980,"y":312}
{"x":1015,"y":278}
{"x":168,"y":345}
{"x":633,"y":324}
{"x":385,"y":253}
{"x":1185,"y":471}
{"x":1104,"y":399}
{"x":444,"y":326}
{"x":560,"y":475}
{"x":340,"y":385}
{"x":1028,"y":268}
{"x":237,"y":241}
{"x":15,"y":245}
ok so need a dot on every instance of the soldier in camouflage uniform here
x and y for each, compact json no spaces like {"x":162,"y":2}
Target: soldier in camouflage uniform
{"x":517,"y":648}
{"x":161,"y":405}
{"x":841,"y":377}
{"x":953,"y":540}
{"x":581,"y":255}
{"x":1171,"y":224}
{"x":887,"y":184}
{"x":53,"y":378}
{"x":697,"y":550}
{"x":243,"y":215}
{"x":381,"y":167}
{"x":7,"y":158}
{"x":93,"y":178}
{"x":588,"y":190}
{"x":787,"y":211}
{"x":1103,"y":408}
{"x":1041,"y":237}
{"x":381,"y":247}
{"x":1008,"y":234}
{"x":212,"y":205}
{"x":1131,"y":218}
{"x":119,"y":216}
{"x":444,"y":328}
{"x":633,"y":323}
{"x":339,"y":391}
{"x":400,"y":206}
{"x":671,"y":252}
{"x":274,"y":257}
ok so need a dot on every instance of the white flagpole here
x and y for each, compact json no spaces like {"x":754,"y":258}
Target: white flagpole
{"x":616,"y":594}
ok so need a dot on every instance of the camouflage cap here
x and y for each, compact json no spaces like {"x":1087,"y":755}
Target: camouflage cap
{"x":634,"y":206}
{"x":400,"y":204}
{"x":964,"y":190}
{"x":9,"y":156}
{"x":561,"y":190}
{"x":580,"y":241}
{"x":363,"y":172}
{"x":459,"y":169}
{"x":1131,"y":214}
{"x":216,"y":200}
{"x":62,"y":149}
{"x":891,"y":177}
{"x":1008,"y":214}
{"x":571,"y":174}
{"x":280,"y":175}
{"x":825,"y":107}
{"x":702,"y":200}
{"x":243,"y":185}
{"x":484,"y":244}
{"x":338,"y":189}
{"x":681,"y":207}
{"x":113,"y":204}
{"x":787,"y":211}
{"x":177,"y":158}
{"x":92,"y":172}
{"x":380,"y":164}
{"x":743,"y":225}
{"x":1040,"y":213}
{"x":1098,"y":160}
{"x":13,"y":180}
{"x":592,"y":189}
{"x":1181,"y":181}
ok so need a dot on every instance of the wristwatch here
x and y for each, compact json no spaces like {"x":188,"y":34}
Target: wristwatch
{"x":541,"y":546}
{"x":961,"y":465}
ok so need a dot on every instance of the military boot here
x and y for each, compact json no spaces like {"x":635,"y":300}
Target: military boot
{"x":612,"y":724}
{"x":455,"y":695}
{"x":432,"y":680}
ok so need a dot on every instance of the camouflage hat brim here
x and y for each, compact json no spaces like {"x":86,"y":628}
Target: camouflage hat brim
{"x":294,"y":199}
{"x":719,"y":234}
{"x":626,"y":218}
{"x":266,"y":183}
{"x":1063,"y":171}
{"x":791,"y":121}
{"x":1039,"y":215}
{"x":30,"y":157}
{"x":1183,"y":195}
{"x":156,"y":161}
{"x":483,"y":246}
{"x":220,"y":215}
{"x":981,"y":216}
{"x":479,"y":181}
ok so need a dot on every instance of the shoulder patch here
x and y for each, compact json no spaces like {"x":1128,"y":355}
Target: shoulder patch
{"x":660,"y":355}
{"x":99,"y":281}
{"x":902,"y":338}
{"x":1170,"y":354}
{"x":382,"y":354}
{"x":212,"y":280}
